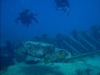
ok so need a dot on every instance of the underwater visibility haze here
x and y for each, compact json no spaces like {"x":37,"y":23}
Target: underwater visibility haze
{"x":82,"y":15}
{"x":36,"y":34}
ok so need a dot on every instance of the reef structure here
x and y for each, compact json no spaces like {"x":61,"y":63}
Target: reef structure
{"x":42,"y":52}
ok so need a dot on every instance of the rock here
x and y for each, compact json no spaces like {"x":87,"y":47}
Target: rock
{"x":32,"y":62}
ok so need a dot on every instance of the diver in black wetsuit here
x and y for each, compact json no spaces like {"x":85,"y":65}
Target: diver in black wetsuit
{"x":26,"y":17}
{"x":62,"y":5}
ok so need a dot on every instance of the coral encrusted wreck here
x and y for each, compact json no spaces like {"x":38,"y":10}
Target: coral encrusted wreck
{"x":42,"y":52}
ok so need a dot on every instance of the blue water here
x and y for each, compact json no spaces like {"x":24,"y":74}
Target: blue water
{"x":82,"y":15}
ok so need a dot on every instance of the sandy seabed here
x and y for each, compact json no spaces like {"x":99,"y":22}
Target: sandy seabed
{"x":80,"y":66}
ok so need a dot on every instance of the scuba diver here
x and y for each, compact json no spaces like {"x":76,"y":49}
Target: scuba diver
{"x":26,"y":17}
{"x":62,"y":5}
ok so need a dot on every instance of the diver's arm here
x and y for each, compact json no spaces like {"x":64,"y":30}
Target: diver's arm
{"x":17,"y":19}
{"x":35,"y":19}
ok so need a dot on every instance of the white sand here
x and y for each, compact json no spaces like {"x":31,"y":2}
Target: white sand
{"x":49,"y":69}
